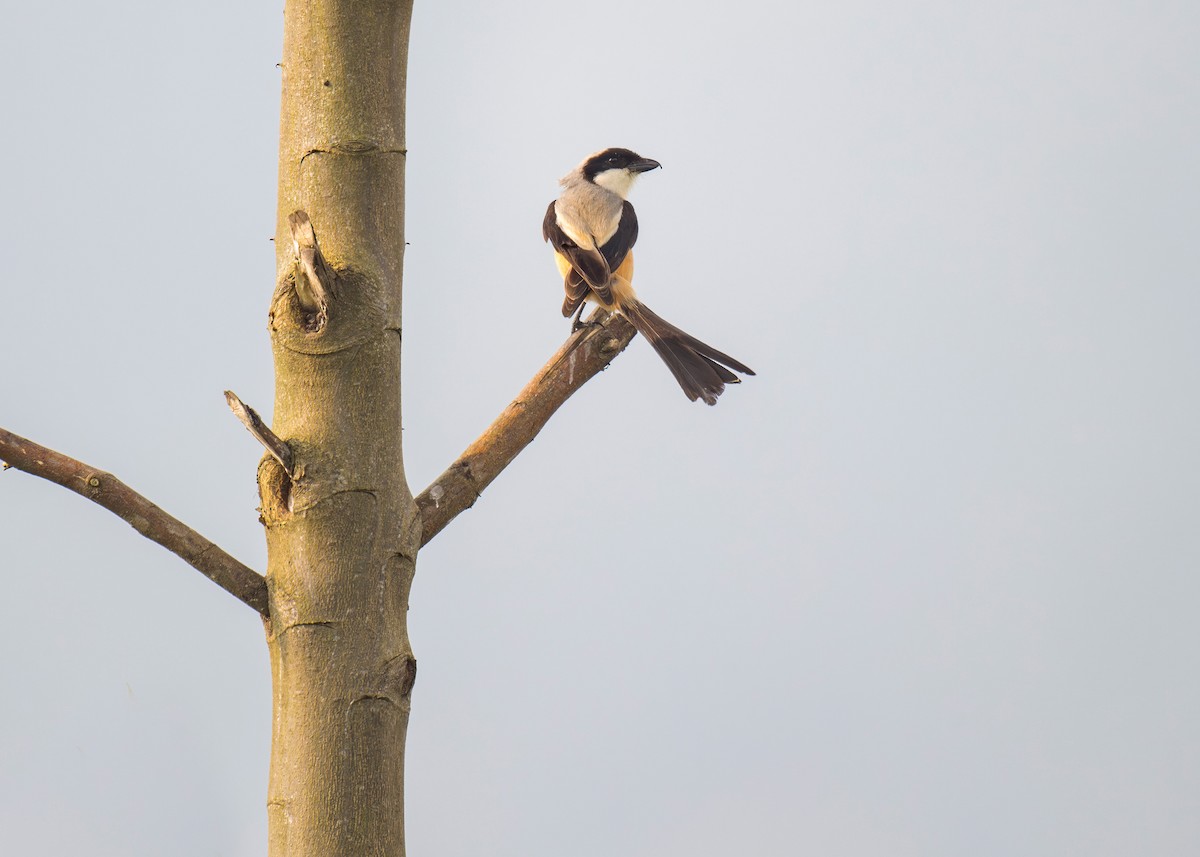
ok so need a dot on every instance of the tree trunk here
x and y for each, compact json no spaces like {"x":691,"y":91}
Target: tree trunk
{"x":343,"y":530}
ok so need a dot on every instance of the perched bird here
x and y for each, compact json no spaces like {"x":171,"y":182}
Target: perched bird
{"x":592,"y":227}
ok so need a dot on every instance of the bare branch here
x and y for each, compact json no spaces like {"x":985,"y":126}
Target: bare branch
{"x":261,"y":431}
{"x":149,"y":520}
{"x":586,"y":353}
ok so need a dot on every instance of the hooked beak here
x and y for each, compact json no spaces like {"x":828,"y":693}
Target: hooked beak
{"x":644,"y":166}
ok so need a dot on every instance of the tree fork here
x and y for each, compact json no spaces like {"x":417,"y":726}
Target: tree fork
{"x":343,"y":529}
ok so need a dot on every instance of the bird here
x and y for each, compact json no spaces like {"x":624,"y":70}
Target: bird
{"x":592,"y":228}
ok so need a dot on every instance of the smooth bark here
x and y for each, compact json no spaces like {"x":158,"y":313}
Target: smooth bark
{"x":343,"y":531}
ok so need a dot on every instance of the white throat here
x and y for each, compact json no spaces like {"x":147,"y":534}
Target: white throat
{"x":619,"y":181}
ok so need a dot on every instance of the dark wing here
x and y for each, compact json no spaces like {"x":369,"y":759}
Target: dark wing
{"x":588,"y":262}
{"x":622,"y":241}
{"x":576,"y":289}
{"x":550,"y":225}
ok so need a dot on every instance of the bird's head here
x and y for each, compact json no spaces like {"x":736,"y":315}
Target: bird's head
{"x":616,"y":169}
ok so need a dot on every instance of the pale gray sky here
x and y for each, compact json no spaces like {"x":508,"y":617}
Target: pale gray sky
{"x":925,"y":586}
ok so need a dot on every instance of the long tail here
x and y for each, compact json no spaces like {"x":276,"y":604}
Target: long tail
{"x":700,"y":369}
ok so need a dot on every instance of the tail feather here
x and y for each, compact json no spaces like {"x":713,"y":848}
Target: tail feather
{"x":699,"y":368}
